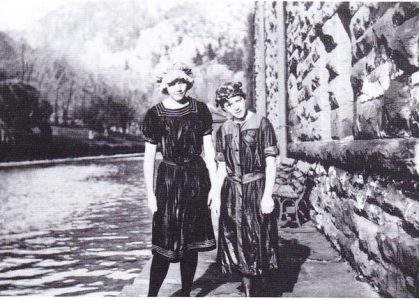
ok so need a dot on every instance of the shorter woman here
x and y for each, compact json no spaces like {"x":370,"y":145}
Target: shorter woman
{"x":246,"y":149}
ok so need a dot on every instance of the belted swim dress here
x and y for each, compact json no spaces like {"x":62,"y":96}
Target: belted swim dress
{"x":182,"y":221}
{"x":248,"y":239}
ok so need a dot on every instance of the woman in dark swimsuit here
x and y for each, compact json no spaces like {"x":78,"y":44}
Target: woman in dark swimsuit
{"x":246,"y":149}
{"x":182,"y":224}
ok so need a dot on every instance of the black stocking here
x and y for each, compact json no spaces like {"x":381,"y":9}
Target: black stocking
{"x":158,"y":272}
{"x":258,"y":286}
{"x":187,"y":271}
{"x":253,"y":286}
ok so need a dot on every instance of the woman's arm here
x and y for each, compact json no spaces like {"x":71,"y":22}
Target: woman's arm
{"x":210,"y":162}
{"x":220,"y":177}
{"x":267,"y":204}
{"x":148,"y":167}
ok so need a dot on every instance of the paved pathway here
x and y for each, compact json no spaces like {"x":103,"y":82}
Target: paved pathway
{"x":310,"y":267}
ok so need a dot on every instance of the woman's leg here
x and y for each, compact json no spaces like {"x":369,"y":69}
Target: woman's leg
{"x":259,"y":287}
{"x":187,"y":271}
{"x":247,"y":285}
{"x":158,"y":272}
{"x":253,"y":286}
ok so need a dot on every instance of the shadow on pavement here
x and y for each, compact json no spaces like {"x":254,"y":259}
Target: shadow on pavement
{"x":211,"y":280}
{"x":292,"y":256}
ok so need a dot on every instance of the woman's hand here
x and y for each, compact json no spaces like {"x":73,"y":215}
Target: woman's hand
{"x":214,"y":200}
{"x":210,"y":197}
{"x":152,"y":202}
{"x":267,"y":204}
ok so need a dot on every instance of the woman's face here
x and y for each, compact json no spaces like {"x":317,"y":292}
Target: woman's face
{"x":177,"y":89}
{"x":236,"y":106}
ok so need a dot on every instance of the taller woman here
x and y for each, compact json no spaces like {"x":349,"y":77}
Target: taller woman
{"x":182,"y":220}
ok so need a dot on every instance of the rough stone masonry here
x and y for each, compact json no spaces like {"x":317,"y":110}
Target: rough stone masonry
{"x":353,"y":114}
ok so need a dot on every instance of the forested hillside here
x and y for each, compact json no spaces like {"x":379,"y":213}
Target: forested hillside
{"x":94,"y":63}
{"x":125,"y":44}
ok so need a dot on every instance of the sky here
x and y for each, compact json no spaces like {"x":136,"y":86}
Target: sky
{"x":94,"y":54}
{"x":18,"y":14}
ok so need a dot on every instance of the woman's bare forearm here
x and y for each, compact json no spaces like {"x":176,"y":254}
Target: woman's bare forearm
{"x":148,"y":166}
{"x":220,"y":176}
{"x":210,"y":158}
{"x":270,"y":174}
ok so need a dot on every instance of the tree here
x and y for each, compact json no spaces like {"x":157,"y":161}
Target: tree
{"x":18,"y":104}
{"x":41,"y":117}
{"x":210,"y":53}
{"x":102,"y":114}
{"x":69,"y":97}
{"x":198,"y":59}
{"x":27,"y":60}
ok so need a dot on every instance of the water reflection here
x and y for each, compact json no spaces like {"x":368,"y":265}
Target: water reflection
{"x":73,"y":229}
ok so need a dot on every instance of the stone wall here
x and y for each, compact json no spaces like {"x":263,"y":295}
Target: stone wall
{"x":353,"y":113}
{"x":374,"y":223}
{"x":352,"y":70}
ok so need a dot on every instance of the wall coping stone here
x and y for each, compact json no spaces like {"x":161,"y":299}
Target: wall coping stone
{"x":396,"y":156}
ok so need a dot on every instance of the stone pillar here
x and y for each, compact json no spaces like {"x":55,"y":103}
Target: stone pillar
{"x":272,"y":64}
{"x":270,"y":67}
{"x":282,"y":86}
{"x":260,"y":86}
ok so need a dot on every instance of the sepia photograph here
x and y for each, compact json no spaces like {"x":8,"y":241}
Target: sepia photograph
{"x":235,"y":148}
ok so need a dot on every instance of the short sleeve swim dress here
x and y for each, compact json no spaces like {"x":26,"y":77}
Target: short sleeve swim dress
{"x":182,"y":221}
{"x":248,"y":239}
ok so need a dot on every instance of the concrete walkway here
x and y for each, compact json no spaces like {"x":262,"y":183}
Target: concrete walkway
{"x":310,"y":267}
{"x":47,"y":162}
